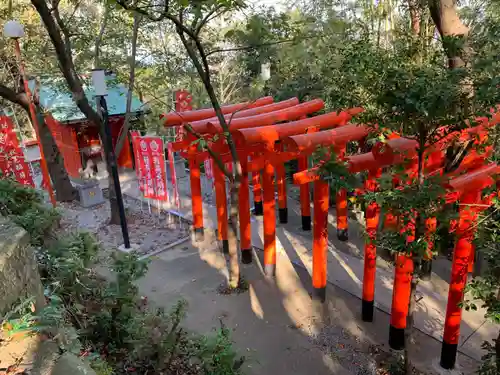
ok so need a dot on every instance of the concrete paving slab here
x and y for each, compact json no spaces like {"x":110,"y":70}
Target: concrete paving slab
{"x":275,"y":325}
{"x":261,"y":326}
{"x":345,"y":269}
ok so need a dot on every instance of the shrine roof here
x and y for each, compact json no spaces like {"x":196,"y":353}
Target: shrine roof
{"x":56,"y":98}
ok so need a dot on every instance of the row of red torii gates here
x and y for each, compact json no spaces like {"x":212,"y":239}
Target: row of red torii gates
{"x":269,"y":134}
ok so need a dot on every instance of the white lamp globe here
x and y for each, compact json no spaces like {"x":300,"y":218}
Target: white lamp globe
{"x":265,"y":71}
{"x":99,"y":82}
{"x":13,"y":29}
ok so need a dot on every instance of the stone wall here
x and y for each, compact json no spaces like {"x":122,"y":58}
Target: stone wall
{"x":19,"y":275}
{"x":19,"y":279}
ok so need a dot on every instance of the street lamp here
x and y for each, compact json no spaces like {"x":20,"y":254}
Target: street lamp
{"x":99,"y":83}
{"x":14,"y":30}
{"x":265,"y":71}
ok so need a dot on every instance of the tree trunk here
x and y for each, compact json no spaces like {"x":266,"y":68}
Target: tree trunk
{"x":379,"y":23}
{"x":445,"y":16}
{"x":204,"y":73}
{"x":234,"y":266}
{"x":98,"y":39}
{"x":497,"y":352}
{"x":415,"y":17}
{"x":415,"y":277}
{"x":65,"y":192}
{"x":409,"y":322}
{"x":113,"y":201}
{"x":126,"y":124}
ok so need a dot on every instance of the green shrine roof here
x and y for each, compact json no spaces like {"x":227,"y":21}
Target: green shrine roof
{"x":56,"y":98}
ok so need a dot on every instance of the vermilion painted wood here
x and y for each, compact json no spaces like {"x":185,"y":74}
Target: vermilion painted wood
{"x":337,"y":138}
{"x":287,"y":114}
{"x":461,"y":259}
{"x":176,"y":119}
{"x":476,"y":180}
{"x":196,"y":198}
{"x":320,"y":237}
{"x":268,"y":135}
{"x":221,"y":203}
{"x":269,"y":220}
{"x":244,"y":209}
{"x":251,"y":112}
{"x":370,"y":255}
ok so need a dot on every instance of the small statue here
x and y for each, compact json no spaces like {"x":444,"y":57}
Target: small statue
{"x":88,"y":174}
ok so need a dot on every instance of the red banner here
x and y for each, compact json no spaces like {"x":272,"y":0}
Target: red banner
{"x":160,"y":175}
{"x":209,"y":172}
{"x":12,"y":162}
{"x":182,"y":99}
{"x":209,"y":168}
{"x":150,"y":166}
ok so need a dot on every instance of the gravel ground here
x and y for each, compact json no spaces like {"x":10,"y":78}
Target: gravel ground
{"x":149,"y":231}
{"x":345,"y":348}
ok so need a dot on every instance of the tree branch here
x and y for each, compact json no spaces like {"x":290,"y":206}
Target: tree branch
{"x":214,"y":156}
{"x":206,"y":19}
{"x":77,"y":5}
{"x":257,"y":46}
{"x":14,"y":97}
{"x":66,"y":63}
{"x":61,"y":25}
{"x":126,"y":124}
{"x":98,"y":39}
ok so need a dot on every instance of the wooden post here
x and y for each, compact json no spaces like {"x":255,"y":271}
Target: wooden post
{"x":244,"y":214}
{"x":196,"y":198}
{"x":400,"y":299}
{"x":305,"y":204}
{"x":461,"y":259}
{"x":320,"y":239}
{"x":257,"y":194}
{"x":370,"y":262}
{"x":221,"y":205}
{"x":269,"y":220}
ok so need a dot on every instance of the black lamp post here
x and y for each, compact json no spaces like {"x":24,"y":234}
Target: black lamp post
{"x":99,"y":82}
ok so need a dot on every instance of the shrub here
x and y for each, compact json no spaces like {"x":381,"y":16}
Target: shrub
{"x":25,"y":206}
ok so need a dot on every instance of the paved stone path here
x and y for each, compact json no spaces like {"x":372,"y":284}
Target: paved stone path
{"x":345,"y":270}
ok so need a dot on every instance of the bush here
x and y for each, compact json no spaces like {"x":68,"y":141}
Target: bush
{"x":105,"y":322}
{"x":116,"y":324}
{"x":25,"y":206}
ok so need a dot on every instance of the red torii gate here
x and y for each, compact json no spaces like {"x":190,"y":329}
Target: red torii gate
{"x":338,"y":138}
{"x":265,"y":140}
{"x":177,"y":119}
{"x":212,"y":128}
{"x":267,"y":137}
{"x":260,"y":106}
{"x":468,"y":187}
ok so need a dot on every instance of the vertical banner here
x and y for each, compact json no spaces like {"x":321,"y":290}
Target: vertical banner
{"x":159,"y":173}
{"x":139,"y":164}
{"x":209,"y":172}
{"x":145,"y":167}
{"x":150,"y":162}
{"x":182,"y":99}
{"x":173,"y":174}
{"x":12,"y":161}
